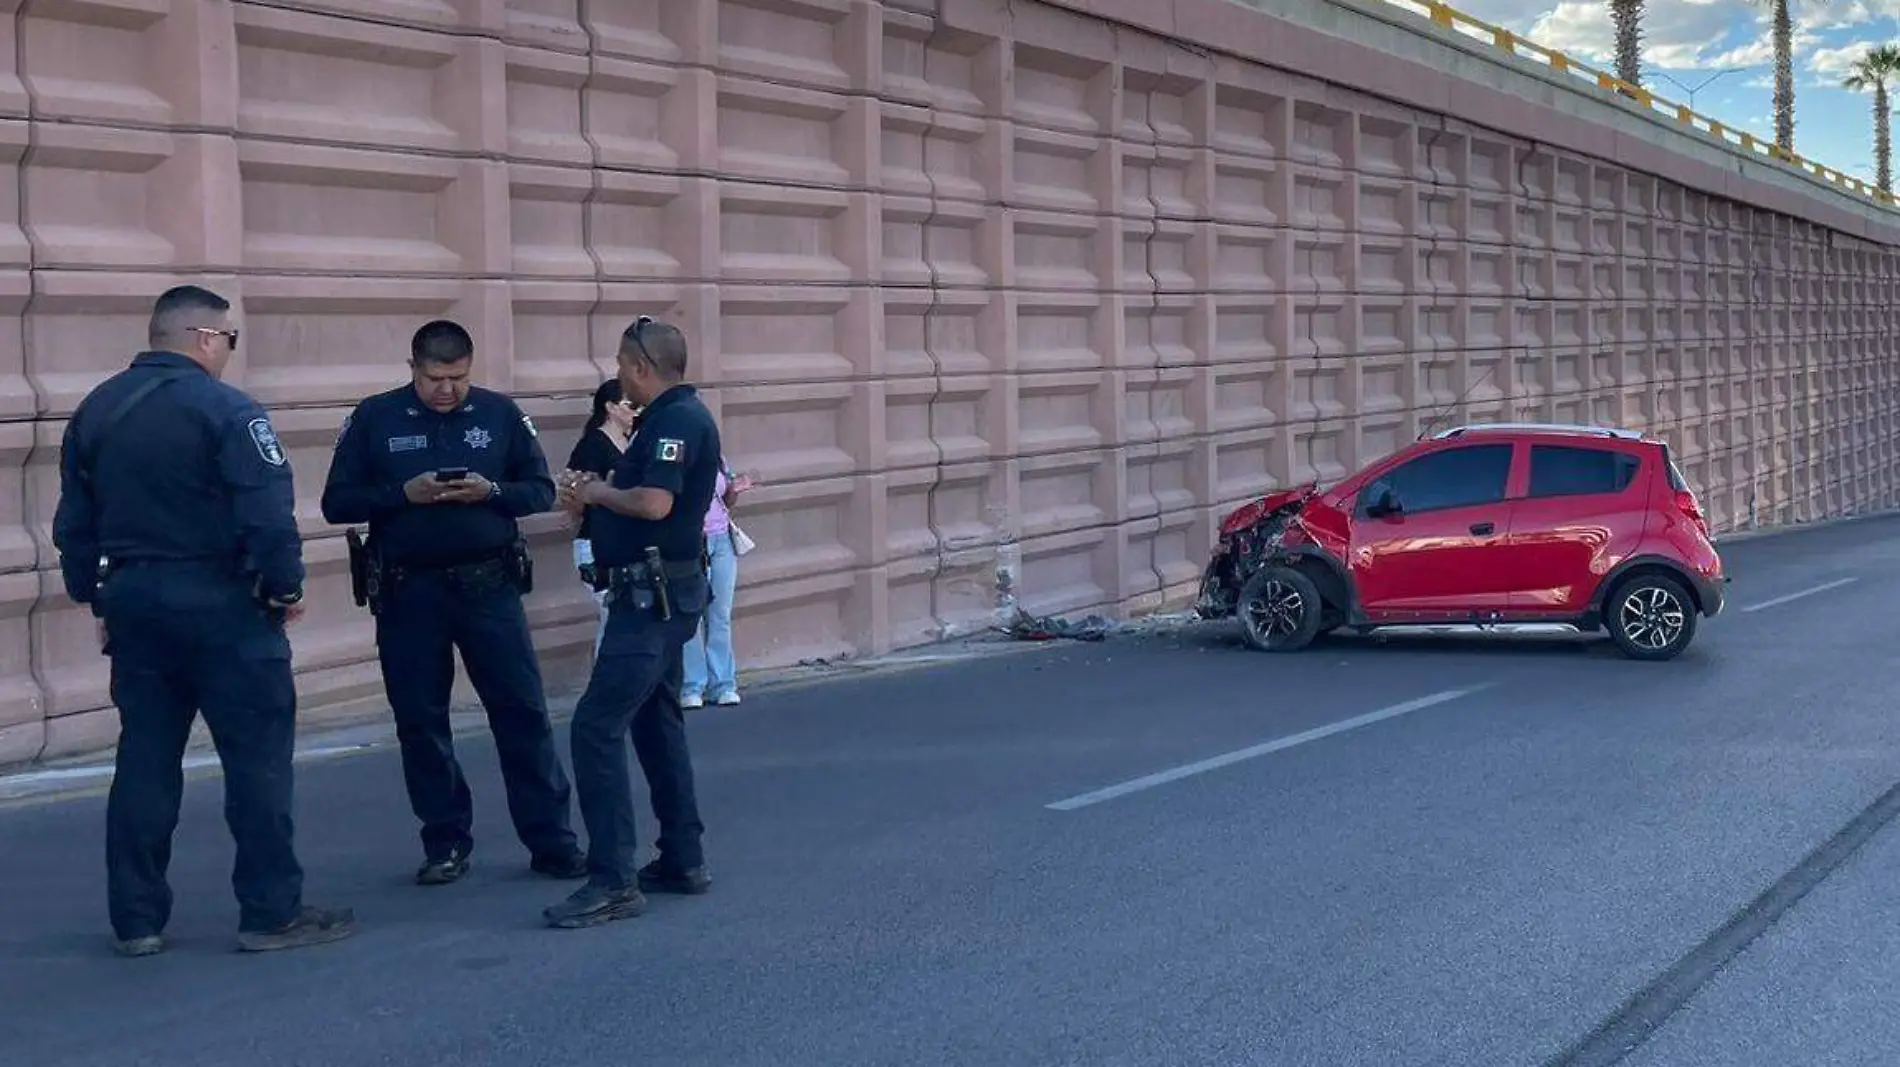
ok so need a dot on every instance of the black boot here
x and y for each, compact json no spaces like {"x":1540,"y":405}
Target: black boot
{"x":443,"y":869}
{"x":595,"y":905}
{"x":135,"y":947}
{"x":662,"y":877}
{"x":313,"y":926}
{"x":565,"y":868}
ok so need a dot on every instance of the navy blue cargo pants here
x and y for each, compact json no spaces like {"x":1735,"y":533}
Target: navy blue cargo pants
{"x":635,"y":689}
{"x":424,"y":618}
{"x":185,"y":639}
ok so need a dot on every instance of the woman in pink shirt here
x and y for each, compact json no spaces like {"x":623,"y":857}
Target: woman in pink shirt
{"x":710,"y":670}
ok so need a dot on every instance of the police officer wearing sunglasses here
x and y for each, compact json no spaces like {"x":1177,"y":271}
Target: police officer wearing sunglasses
{"x":647,"y":521}
{"x":176,"y":524}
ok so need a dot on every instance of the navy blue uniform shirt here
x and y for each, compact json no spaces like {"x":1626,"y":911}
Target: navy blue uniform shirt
{"x":392,"y":437}
{"x":677,"y":449}
{"x":193,"y":472}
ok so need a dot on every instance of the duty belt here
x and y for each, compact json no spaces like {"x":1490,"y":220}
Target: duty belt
{"x":642,"y":573}
{"x":645,"y":584}
{"x":476,"y":570}
{"x":108,"y":566}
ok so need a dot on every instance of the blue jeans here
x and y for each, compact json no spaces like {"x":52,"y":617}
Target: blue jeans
{"x":583,"y":556}
{"x":709,"y":665}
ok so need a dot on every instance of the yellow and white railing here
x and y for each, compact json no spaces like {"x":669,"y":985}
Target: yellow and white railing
{"x":1515,"y":45}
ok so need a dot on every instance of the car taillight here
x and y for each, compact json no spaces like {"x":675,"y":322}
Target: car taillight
{"x":1690,"y":508}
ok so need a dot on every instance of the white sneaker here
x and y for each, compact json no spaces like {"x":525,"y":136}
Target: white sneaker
{"x":692,"y":702}
{"x":726,"y":700}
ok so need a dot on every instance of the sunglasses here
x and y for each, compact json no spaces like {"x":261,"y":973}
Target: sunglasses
{"x":229,"y":335}
{"x":639,"y":326}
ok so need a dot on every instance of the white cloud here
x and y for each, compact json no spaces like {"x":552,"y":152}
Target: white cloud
{"x":1830,"y":65}
{"x":1836,"y":16}
{"x":1692,"y":34}
{"x":1676,"y":37}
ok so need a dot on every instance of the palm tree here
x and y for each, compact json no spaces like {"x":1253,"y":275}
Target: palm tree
{"x":1628,"y":16}
{"x":1782,"y":33}
{"x":1873,"y":71}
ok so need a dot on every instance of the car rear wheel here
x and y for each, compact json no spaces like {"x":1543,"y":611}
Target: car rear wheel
{"x":1280,"y":610}
{"x":1651,"y":617}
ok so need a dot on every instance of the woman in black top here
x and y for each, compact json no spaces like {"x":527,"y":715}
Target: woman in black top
{"x":610,"y":425}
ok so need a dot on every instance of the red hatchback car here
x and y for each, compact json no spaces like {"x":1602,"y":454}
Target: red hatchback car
{"x":1498,"y":524}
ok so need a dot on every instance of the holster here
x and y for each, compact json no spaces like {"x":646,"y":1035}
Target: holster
{"x":366,"y":571}
{"x":658,"y":586}
{"x":520,"y":564}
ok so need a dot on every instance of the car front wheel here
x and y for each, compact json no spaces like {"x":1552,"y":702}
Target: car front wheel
{"x":1280,"y":610}
{"x":1652,"y":617}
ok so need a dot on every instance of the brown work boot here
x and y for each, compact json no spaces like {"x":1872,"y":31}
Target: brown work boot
{"x":312,"y":926}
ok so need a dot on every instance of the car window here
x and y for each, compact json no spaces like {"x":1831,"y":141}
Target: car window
{"x":1558,"y":470}
{"x":1676,"y":480}
{"x":1454,"y":478}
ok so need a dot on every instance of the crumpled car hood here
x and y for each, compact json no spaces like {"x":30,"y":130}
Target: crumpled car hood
{"x":1284,"y":501}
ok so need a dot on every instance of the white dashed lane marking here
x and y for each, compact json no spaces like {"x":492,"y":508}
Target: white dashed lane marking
{"x":1800,"y":593}
{"x":1136,"y":785}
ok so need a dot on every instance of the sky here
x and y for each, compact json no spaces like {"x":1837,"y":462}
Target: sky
{"x":1696,"y":41}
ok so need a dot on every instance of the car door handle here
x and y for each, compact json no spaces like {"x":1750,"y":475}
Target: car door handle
{"x":1483,"y":529}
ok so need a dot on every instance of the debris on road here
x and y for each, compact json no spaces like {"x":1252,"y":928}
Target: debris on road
{"x":1027,"y":627}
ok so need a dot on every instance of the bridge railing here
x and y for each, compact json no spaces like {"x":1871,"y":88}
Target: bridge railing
{"x":1516,"y":45}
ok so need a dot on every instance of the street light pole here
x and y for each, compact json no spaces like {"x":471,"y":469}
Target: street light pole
{"x":1701,"y":85}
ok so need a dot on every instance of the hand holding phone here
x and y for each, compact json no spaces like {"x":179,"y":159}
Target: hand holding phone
{"x":451,"y":474}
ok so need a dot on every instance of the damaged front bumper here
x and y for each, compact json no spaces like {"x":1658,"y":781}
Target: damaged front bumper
{"x":1236,"y":557}
{"x":1249,"y":536}
{"x":1217,"y":596}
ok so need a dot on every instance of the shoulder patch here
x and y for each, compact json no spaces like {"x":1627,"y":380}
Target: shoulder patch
{"x":528,"y":425}
{"x":669,"y":450}
{"x":269,"y":449}
{"x":344,"y":429}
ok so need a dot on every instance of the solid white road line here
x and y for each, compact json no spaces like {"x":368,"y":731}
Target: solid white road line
{"x":1780,"y":600}
{"x":1136,"y":785}
{"x":14,"y":786}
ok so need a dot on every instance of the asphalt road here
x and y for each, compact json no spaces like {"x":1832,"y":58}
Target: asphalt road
{"x":1514,"y":840}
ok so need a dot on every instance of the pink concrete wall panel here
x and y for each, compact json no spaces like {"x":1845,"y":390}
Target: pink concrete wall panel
{"x":977,"y":288}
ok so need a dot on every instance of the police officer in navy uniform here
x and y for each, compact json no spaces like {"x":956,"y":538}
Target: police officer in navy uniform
{"x":440,"y":471}
{"x":647,"y":522}
{"x":175,"y":524}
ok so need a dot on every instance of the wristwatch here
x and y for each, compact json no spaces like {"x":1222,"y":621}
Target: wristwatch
{"x":288,"y":599}
{"x":494,"y":490}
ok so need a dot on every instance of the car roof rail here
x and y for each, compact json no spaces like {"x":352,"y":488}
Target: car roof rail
{"x":1540,"y":427}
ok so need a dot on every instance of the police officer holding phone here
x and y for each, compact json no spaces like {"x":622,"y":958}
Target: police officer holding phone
{"x":440,"y":470}
{"x":647,"y":521}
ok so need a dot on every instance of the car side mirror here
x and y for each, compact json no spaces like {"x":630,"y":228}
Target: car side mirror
{"x":1384,"y":503}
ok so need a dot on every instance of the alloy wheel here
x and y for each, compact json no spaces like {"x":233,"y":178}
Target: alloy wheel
{"x":1277,"y":613}
{"x":1652,"y":618}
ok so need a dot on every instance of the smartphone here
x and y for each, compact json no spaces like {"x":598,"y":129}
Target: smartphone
{"x":451,"y":474}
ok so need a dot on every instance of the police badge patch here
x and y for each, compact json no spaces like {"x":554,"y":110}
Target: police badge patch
{"x":476,"y":438}
{"x":669,"y":450}
{"x":265,"y":438}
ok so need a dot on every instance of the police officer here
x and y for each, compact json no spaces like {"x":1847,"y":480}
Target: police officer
{"x":440,"y":471}
{"x":647,"y":522}
{"x":175,"y":524}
